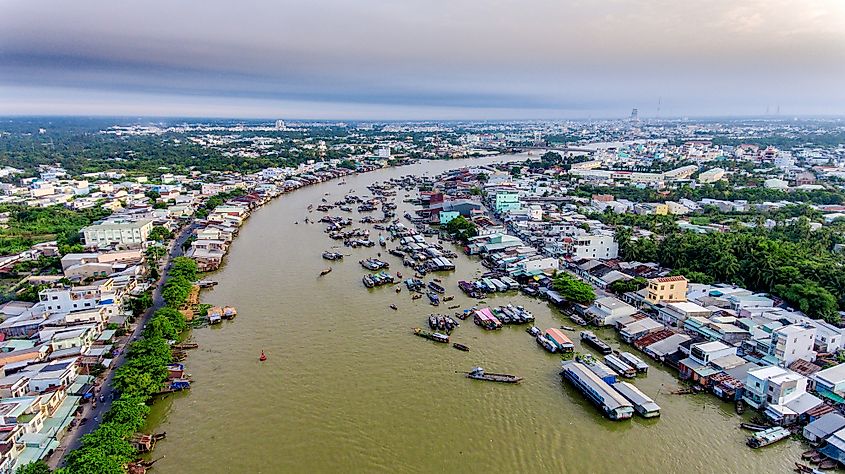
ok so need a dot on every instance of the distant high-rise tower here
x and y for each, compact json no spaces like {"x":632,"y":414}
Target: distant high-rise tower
{"x":635,"y":115}
{"x":280,"y":124}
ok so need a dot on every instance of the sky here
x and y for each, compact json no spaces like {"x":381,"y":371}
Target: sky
{"x":422,"y":59}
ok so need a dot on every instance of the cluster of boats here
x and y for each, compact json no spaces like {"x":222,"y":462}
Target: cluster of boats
{"x":481,"y":287}
{"x":216,"y":314}
{"x":374,"y":264}
{"x":442,"y":323}
{"x":510,"y":314}
{"x":377,"y":279}
{"x":618,"y":400}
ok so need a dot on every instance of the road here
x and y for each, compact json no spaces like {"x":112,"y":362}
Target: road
{"x":95,"y":414}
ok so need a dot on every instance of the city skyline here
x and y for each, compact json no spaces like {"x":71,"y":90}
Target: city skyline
{"x":423,"y":60}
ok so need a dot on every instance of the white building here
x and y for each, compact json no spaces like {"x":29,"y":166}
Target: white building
{"x":793,"y":342}
{"x":601,"y":245}
{"x":125,"y":232}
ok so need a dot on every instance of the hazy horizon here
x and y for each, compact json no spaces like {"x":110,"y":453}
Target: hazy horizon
{"x":423,"y":60}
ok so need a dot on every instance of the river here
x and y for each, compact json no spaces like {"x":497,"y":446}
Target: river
{"x":347,"y":388}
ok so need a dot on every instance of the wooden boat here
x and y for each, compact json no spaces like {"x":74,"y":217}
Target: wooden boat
{"x":326,"y":272}
{"x":186,"y":345}
{"x":460,"y":347}
{"x":827,"y":464}
{"x":768,"y":436}
{"x":477,"y":373}
{"x":262,"y":357}
{"x":455,"y":306}
{"x":416,"y":296}
{"x":393,"y":307}
{"x":431,"y":336}
{"x":448,"y":298}
{"x":568,"y":328}
{"x":753,"y":427}
{"x":809,"y":454}
{"x":740,"y":407}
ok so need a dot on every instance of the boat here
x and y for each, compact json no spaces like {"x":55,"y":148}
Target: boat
{"x":809,"y":454}
{"x":533,"y":330}
{"x":431,"y":336}
{"x":455,"y":306}
{"x":460,"y":347}
{"x":578,"y":320}
{"x":568,"y":328}
{"x":229,"y":312}
{"x":326,"y":272}
{"x":433,"y":298}
{"x":332,"y":255}
{"x":206,"y":283}
{"x":477,"y":373}
{"x":740,"y":407}
{"x":753,"y":427}
{"x":767,"y":437}
{"x":620,"y":366}
{"x":262,"y":357}
{"x":546,"y":344}
{"x":827,"y":464}
{"x":448,"y":298}
{"x":186,"y":345}
{"x":593,"y":341}
{"x":634,"y":362}
{"x":416,"y":296}
{"x":643,"y":404}
{"x":436,"y":288}
{"x":393,"y":307}
{"x":215,"y":315}
{"x":597,"y":390}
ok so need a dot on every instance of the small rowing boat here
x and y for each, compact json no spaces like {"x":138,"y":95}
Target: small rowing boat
{"x":460,"y":347}
{"x":393,"y":307}
{"x":262,"y":357}
{"x":326,"y":272}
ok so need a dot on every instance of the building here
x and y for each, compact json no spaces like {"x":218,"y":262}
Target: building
{"x":667,"y":289}
{"x":506,"y":201}
{"x":123,"y":232}
{"x":607,"y":310}
{"x":711,"y":175}
{"x":600,"y":245}
{"x":830,"y":383}
{"x":782,"y":392}
{"x":793,"y":342}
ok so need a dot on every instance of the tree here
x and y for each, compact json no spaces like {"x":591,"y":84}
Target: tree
{"x":462,"y":228}
{"x":624,"y":286}
{"x":184,"y":267}
{"x":128,"y":411}
{"x":812,"y":299}
{"x":160,"y":326}
{"x":573,"y":289}
{"x":34,"y":467}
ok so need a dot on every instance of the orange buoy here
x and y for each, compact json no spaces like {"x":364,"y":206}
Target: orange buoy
{"x":263,"y":357}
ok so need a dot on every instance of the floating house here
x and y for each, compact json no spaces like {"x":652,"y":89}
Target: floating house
{"x":611,"y":402}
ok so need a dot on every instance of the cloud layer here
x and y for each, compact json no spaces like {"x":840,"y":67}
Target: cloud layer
{"x":422,"y":58}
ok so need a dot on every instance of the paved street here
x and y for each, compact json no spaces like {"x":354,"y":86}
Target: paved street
{"x":103,"y":386}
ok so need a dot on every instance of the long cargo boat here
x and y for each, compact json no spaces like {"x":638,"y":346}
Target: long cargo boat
{"x":477,"y":373}
{"x":611,"y":402}
{"x":643,"y":404}
{"x":593,"y":341}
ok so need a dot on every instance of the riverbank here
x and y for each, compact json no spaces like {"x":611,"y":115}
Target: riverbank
{"x":346,"y":387}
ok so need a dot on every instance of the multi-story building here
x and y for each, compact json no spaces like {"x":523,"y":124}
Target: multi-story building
{"x":506,"y":201}
{"x":601,"y":245}
{"x":793,"y":342}
{"x":124,"y":232}
{"x":667,"y":289}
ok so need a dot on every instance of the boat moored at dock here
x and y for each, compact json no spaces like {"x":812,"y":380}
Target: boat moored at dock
{"x":643,"y":404}
{"x":593,"y":341}
{"x":611,"y":402}
{"x":767,"y":437}
{"x":634,"y":361}
{"x":620,"y":366}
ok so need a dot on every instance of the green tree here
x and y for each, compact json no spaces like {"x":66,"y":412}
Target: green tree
{"x":812,"y":299}
{"x":128,"y":411}
{"x":573,"y":289}
{"x":34,"y":467}
{"x":462,"y":228}
{"x":624,"y":286}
